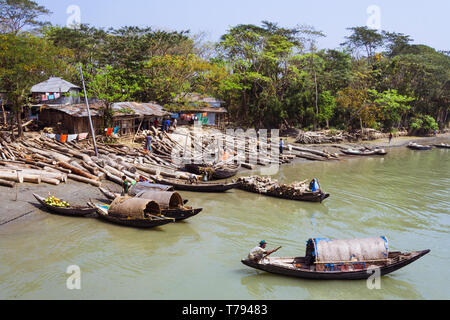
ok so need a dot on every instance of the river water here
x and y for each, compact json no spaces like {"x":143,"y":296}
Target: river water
{"x":404,"y":196}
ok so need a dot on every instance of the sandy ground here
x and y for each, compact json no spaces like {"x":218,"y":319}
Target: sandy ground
{"x":18,"y":204}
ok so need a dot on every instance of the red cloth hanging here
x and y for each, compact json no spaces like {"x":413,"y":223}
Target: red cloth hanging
{"x":109,"y":131}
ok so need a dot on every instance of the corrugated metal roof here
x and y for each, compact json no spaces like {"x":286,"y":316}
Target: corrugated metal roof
{"x":137,"y":109}
{"x":141,"y":109}
{"x":54,"y":84}
{"x":77,"y":110}
{"x":201,"y":110}
{"x":197,"y":97}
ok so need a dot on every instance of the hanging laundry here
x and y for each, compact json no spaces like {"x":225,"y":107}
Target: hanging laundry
{"x":82,"y":136}
{"x":63,"y":138}
{"x":51,"y":135}
{"x":58,"y":137}
{"x":44,"y":97}
{"x":72,"y":137}
{"x":205,"y":114}
{"x":57,"y":95}
{"x":109,"y":131}
{"x":116,"y":129}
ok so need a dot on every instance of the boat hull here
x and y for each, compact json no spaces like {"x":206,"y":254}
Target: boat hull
{"x":180,"y":214}
{"x":69,"y":212}
{"x":135,"y":223}
{"x":199,"y":186}
{"x":332,"y":275}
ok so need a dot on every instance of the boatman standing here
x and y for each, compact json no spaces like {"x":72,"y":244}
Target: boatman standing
{"x":258,"y":253}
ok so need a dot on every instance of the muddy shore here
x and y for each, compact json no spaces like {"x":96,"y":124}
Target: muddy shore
{"x":19,"y":206}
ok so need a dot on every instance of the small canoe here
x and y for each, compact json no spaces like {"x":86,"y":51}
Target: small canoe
{"x":72,"y":211}
{"x":354,"y":152}
{"x":415,"y":146}
{"x":296,"y":267}
{"x":181,"y":213}
{"x":219,"y":172}
{"x":225,"y":171}
{"x":154,"y":221}
{"x":196,"y":186}
{"x":442,"y":146}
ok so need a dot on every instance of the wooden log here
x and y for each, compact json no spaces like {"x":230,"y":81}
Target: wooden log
{"x":11,"y":176}
{"x":50,"y":181}
{"x":85,"y":180}
{"x":77,"y":171}
{"x":6,"y":183}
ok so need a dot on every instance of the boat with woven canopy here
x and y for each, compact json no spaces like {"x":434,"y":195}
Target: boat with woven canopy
{"x":350,"y":259}
{"x":171,"y":203}
{"x":132,"y":212}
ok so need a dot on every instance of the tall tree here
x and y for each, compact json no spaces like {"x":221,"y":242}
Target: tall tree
{"x":15,"y":15}
{"x":24,"y":61}
{"x":363,"y":38}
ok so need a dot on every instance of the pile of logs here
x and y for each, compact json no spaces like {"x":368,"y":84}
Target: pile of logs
{"x":268,"y":186}
{"x":329,"y":136}
{"x":42,"y":160}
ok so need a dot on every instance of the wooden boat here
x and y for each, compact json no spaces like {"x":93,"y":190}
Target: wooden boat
{"x":196,"y":186}
{"x":374,"y":152}
{"x":415,"y":146}
{"x":72,"y":211}
{"x":181,"y":213}
{"x":219,"y":172}
{"x":281,"y":191}
{"x":306,"y":267}
{"x":442,"y":146}
{"x":154,"y":221}
{"x":225,"y":171}
{"x":147,"y":186}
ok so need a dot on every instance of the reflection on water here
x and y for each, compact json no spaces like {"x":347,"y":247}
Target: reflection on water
{"x":404,"y":195}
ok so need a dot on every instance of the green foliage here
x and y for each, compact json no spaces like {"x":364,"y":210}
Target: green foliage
{"x":393,"y":107}
{"x":423,"y":124}
{"x":15,"y":15}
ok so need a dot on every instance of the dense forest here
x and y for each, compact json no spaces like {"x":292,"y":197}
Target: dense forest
{"x":268,"y":75}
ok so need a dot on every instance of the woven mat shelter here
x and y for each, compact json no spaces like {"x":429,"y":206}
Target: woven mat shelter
{"x":350,"y":250}
{"x":165,"y":199}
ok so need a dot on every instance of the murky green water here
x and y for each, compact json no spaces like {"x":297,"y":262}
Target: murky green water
{"x":404,"y":196}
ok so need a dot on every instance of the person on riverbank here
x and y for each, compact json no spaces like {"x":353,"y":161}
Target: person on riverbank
{"x":390,"y":137}
{"x":125,"y":185}
{"x":175,"y":122}
{"x":258,"y":253}
{"x":148,"y":142}
{"x":281,"y":146}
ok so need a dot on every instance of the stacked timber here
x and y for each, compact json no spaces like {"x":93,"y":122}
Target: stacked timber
{"x":42,"y":160}
{"x":270,"y":187}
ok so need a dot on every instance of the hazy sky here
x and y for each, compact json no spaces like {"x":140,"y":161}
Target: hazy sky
{"x":427,"y":22}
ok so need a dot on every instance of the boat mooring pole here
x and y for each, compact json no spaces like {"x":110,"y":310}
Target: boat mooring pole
{"x":89,"y":112}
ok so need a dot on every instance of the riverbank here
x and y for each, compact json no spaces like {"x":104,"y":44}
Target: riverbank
{"x":25,"y":209}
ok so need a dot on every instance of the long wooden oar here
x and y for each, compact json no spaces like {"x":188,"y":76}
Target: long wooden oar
{"x":272,"y":252}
